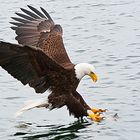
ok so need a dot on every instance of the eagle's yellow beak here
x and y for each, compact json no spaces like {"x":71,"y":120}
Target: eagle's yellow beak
{"x":93,"y":76}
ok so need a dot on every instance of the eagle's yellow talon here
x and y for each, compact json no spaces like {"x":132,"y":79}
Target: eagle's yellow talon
{"x":95,"y":117}
{"x":96,"y":110}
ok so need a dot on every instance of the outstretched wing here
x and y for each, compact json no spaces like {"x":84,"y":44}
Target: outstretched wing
{"x":37,"y":29}
{"x":31,"y":66}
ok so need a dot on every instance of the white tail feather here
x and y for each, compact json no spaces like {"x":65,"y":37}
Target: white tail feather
{"x":33,"y":104}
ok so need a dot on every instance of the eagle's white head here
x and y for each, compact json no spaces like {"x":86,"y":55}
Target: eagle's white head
{"x":83,"y":69}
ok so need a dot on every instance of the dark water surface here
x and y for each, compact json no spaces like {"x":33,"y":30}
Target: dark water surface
{"x":105,"y":33}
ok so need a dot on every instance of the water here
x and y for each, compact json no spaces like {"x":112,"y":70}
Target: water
{"x":105,"y":33}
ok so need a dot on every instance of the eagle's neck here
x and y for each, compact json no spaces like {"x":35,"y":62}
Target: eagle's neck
{"x":82,"y":69}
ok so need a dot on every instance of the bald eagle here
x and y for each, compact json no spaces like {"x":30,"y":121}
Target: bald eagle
{"x":41,"y":61}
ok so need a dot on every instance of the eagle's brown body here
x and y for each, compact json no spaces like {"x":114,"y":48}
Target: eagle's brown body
{"x":42,"y":62}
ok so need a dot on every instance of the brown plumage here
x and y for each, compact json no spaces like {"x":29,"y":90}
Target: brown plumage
{"x":39,"y":30}
{"x":42,"y":62}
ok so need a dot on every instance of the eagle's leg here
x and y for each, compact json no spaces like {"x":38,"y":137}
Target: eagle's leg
{"x":93,"y":113}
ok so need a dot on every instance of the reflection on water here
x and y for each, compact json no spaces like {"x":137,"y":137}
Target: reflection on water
{"x":59,"y":132}
{"x":105,"y":33}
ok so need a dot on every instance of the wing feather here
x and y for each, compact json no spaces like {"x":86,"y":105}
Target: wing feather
{"x":20,"y":20}
{"x":36,"y":28}
{"x":25,"y":16}
{"x":36,"y":11}
{"x":30,"y":66}
{"x":29,"y":13}
{"x":46,"y":13}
